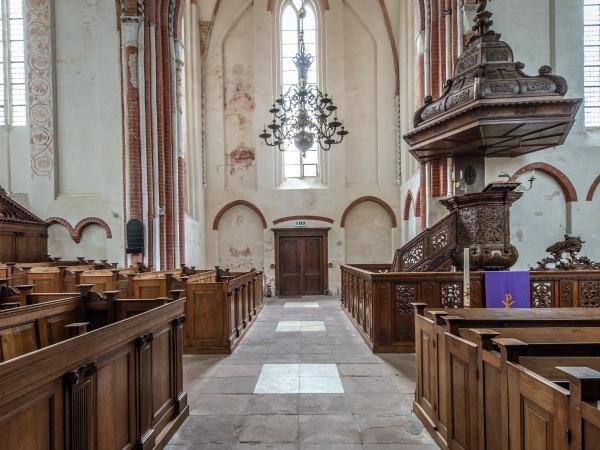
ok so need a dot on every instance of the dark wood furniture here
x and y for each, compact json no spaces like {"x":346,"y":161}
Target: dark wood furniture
{"x":472,"y":363}
{"x":379,"y":302}
{"x":120,"y":386}
{"x":301,"y":261}
{"x":221,"y":311}
{"x":23,"y":235}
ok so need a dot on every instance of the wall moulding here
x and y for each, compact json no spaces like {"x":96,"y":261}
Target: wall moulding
{"x":592,"y":190}
{"x":77,"y":232}
{"x":245,"y":203}
{"x":370,"y":198}
{"x":302,"y":217}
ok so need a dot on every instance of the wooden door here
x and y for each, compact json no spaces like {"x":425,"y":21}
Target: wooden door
{"x":301,"y":258}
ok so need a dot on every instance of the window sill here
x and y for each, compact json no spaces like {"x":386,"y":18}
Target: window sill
{"x":299,"y":183}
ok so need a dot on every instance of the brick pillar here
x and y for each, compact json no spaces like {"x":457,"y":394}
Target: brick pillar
{"x":133,"y":173}
{"x":180,"y":189}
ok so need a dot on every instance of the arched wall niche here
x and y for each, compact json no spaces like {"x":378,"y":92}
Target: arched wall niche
{"x":368,"y":229}
{"x":91,"y":244}
{"x":539,"y":218}
{"x":240,"y":238}
{"x":369,"y":198}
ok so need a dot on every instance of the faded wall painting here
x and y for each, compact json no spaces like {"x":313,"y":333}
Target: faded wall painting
{"x":241,"y":239}
{"x":238,"y":77}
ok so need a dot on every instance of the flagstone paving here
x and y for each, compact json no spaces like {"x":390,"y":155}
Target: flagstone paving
{"x":301,"y":379}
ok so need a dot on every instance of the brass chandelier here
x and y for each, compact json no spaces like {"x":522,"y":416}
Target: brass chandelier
{"x":304,"y":114}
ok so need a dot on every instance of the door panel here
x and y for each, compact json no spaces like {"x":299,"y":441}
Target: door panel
{"x":311,"y":266}
{"x":301,"y":265}
{"x":289,"y":260}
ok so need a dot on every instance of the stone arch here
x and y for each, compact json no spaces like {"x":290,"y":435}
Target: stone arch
{"x":418,"y":204}
{"x":369,"y":198}
{"x":562,"y":180}
{"x":592,"y":190}
{"x":407,"y":204}
{"x":368,"y":234}
{"x":228,"y":206}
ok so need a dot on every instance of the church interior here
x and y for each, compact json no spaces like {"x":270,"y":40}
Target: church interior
{"x":299,"y":224}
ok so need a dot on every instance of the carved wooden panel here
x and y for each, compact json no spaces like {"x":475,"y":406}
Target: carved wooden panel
{"x":405,"y":296}
{"x":80,"y":403}
{"x":541,"y":294}
{"x":589,"y":294}
{"x":451,"y":295}
{"x":144,"y":367}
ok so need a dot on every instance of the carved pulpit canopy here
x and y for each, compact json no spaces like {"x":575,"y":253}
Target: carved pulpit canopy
{"x":12,"y":212}
{"x":491,"y":107}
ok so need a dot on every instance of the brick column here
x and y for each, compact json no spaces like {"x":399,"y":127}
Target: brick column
{"x":133,"y":172}
{"x":180,"y":189}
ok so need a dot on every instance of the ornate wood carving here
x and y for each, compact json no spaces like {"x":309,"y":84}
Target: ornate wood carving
{"x":451,"y":295}
{"x":489,"y":103}
{"x":406,"y":295}
{"x":80,"y":407}
{"x":565,"y":256}
{"x":541,"y":294}
{"x":589,"y":294}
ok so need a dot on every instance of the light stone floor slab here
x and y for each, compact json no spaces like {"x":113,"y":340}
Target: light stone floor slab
{"x":299,"y":379}
{"x":290,"y":326}
{"x":301,"y":389}
{"x":301,"y":305}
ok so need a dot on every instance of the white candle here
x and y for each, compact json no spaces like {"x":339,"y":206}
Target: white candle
{"x":466,"y":279}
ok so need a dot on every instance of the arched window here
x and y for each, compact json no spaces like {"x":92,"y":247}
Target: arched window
{"x":592,"y":62}
{"x":294,"y":164}
{"x":12,"y":64}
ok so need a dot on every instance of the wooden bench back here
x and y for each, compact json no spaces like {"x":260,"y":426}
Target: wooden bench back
{"x":120,"y":386}
{"x":29,"y":328}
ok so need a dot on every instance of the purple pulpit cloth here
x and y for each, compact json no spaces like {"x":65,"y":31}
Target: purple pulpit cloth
{"x":507,"y":290}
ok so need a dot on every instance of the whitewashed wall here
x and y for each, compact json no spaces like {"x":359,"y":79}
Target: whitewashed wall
{"x":240,"y":87}
{"x":87,"y":177}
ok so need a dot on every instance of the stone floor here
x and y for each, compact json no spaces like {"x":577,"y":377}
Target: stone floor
{"x":291,"y":385}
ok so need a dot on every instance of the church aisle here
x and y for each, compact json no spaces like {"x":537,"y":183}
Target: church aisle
{"x":302,"y":378}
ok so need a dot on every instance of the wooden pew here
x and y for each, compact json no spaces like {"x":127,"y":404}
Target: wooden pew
{"x":120,"y":386}
{"x":29,"y":328}
{"x":221,"y":311}
{"x":584,"y":411}
{"x":434,"y":330}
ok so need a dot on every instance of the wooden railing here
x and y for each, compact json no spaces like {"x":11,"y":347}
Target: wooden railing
{"x":380,"y":303}
{"x":431,"y":250}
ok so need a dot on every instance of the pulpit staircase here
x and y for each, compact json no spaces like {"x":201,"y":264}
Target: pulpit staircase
{"x":430,"y":251}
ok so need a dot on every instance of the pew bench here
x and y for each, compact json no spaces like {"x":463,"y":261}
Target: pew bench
{"x":119,"y":386}
{"x":221,"y":310}
{"x":443,"y":338}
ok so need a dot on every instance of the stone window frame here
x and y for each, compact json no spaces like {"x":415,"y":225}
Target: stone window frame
{"x":587,"y":44}
{"x":7,"y":90}
{"x":322,"y":179}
